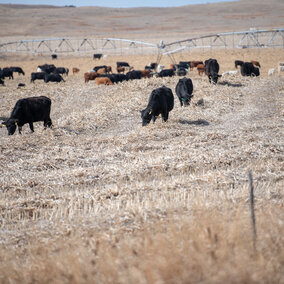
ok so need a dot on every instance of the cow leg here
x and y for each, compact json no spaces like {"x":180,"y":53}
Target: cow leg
{"x":180,"y":102}
{"x":31,"y":126}
{"x":47,"y":123}
{"x":165,"y":116}
{"x":20,"y":129}
{"x":154,"y":118}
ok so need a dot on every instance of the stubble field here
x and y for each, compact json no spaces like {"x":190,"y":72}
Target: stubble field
{"x":101,"y":199}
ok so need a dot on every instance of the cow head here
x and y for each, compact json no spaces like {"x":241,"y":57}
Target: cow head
{"x":146,"y":116}
{"x":186,"y":100}
{"x":214,"y":77}
{"x":11,"y":125}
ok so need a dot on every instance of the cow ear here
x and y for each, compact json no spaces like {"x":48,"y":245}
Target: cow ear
{"x":16,"y":122}
{"x":150,"y":111}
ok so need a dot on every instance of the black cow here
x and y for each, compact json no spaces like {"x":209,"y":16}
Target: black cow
{"x":166,"y":73}
{"x":161,"y":101}
{"x":96,"y":68}
{"x":151,"y":66}
{"x":182,"y":71}
{"x":248,"y":69}
{"x":97,"y":56}
{"x":19,"y":70}
{"x":37,"y":76}
{"x":184,"y":64}
{"x":238,"y":63}
{"x":212,"y":69}
{"x":47,"y":68}
{"x":61,"y":70}
{"x":53,"y":78}
{"x":53,"y":56}
{"x":122,"y":64}
{"x":29,"y":110}
{"x":115,"y":78}
{"x":134,"y":75}
{"x":6,"y":72}
{"x":184,"y":89}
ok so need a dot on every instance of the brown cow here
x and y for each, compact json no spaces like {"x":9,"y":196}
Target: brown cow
{"x":101,"y":71}
{"x":120,"y":69}
{"x":103,"y":81}
{"x":108,"y":69}
{"x":255,"y":63}
{"x":90,"y":76}
{"x":145,"y":73}
{"x":200,"y":69}
{"x":194,"y":64}
{"x":75,"y":70}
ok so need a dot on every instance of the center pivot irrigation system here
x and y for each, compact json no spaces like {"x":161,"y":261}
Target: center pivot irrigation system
{"x":252,"y":38}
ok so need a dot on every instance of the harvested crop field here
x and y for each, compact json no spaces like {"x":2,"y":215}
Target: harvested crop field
{"x":101,"y":199}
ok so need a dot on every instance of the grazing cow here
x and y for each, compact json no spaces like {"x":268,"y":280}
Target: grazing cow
{"x":6,"y":72}
{"x":230,"y":72}
{"x":37,"y":76}
{"x":103,"y":81}
{"x":61,"y":70}
{"x":133,"y":75}
{"x":238,"y":63}
{"x":88,"y":76}
{"x":194,"y":64}
{"x":161,"y":101}
{"x":19,"y":70}
{"x":280,"y":69}
{"x":122,"y":64}
{"x":212,"y":69}
{"x":97,"y":56}
{"x":120,"y":69}
{"x":166,"y":73}
{"x":53,"y":56}
{"x":182,"y":71}
{"x":200,"y":69}
{"x":75,"y":70}
{"x":29,"y":110}
{"x":184,"y":89}
{"x":247,"y":69}
{"x":47,"y":68}
{"x":271,"y":72}
{"x":255,"y":63}
{"x":53,"y":78}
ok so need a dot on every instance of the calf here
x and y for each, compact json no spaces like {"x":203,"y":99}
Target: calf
{"x":184,"y":89}
{"x":120,"y":69}
{"x":19,"y":70}
{"x":53,"y":78}
{"x":29,"y":110}
{"x":96,"y":68}
{"x":103,"y":81}
{"x":271,"y":72}
{"x":194,"y":64}
{"x":37,"y":76}
{"x":200,"y":69}
{"x":161,"y":101}
{"x":212,"y":69}
{"x":75,"y":70}
{"x":145,"y":73}
{"x":53,"y":56}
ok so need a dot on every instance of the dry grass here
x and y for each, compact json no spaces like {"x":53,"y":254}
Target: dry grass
{"x":101,"y":199}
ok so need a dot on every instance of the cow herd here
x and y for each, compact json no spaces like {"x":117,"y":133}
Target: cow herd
{"x":161,"y":100}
